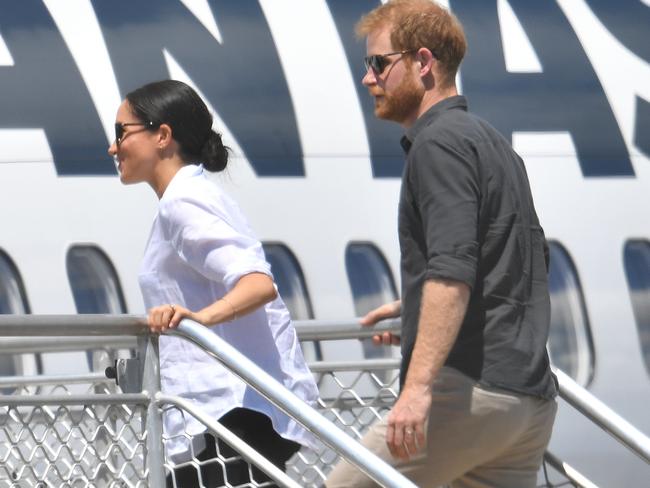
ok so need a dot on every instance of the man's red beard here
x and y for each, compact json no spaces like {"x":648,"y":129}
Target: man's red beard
{"x":400,"y":104}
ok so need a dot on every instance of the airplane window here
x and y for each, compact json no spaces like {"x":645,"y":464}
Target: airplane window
{"x":94,"y":282}
{"x":370,"y":277}
{"x":13,"y":300}
{"x":637,"y":269}
{"x":95,"y":287}
{"x":293,"y":290}
{"x":372,"y":285}
{"x":291,"y":283}
{"x":569,"y":343}
{"x":12,"y":292}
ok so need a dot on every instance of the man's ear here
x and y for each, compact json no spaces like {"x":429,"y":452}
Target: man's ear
{"x":425,"y":59}
{"x":164,"y":136}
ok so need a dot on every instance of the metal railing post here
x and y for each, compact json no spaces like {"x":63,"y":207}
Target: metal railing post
{"x":155,"y":455}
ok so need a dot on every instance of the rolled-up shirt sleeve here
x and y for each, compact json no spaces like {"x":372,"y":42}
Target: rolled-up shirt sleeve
{"x":445,"y":186}
{"x":212,"y":246}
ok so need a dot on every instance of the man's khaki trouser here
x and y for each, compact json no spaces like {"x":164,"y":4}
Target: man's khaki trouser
{"x":477,"y":437}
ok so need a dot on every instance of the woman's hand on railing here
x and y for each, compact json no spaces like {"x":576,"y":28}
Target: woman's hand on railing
{"x":386,"y":311}
{"x":164,"y":317}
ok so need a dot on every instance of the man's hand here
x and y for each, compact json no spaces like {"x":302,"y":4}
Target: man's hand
{"x":407,"y":423}
{"x":441,"y":313}
{"x":387,"y":311}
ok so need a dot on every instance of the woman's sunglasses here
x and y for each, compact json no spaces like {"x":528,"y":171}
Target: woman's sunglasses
{"x":119,"y":129}
{"x":379,"y":62}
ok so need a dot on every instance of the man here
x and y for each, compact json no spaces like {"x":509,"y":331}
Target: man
{"x":476,"y":406}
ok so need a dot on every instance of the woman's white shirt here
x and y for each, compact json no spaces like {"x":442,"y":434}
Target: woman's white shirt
{"x":200,"y":246}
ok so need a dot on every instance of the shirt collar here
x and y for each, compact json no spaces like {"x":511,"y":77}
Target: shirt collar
{"x":187,"y":171}
{"x":450,"y":103}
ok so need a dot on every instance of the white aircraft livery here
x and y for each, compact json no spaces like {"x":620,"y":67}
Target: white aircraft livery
{"x":318,"y":175}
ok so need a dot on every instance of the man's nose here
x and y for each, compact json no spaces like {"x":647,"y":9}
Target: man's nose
{"x":369,"y":78}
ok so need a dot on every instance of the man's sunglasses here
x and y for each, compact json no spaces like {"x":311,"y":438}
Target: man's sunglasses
{"x":379,"y":62}
{"x":119,"y":129}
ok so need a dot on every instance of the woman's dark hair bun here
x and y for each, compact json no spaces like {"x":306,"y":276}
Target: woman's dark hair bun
{"x":176,"y":104}
{"x":214,"y":154}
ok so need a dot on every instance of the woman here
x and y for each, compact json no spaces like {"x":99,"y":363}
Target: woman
{"x":203,"y":262}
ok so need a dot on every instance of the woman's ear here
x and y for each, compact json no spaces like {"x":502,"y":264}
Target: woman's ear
{"x":164,"y":136}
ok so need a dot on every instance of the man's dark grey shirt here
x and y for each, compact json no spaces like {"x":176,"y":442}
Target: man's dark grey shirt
{"x":466,"y":214}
